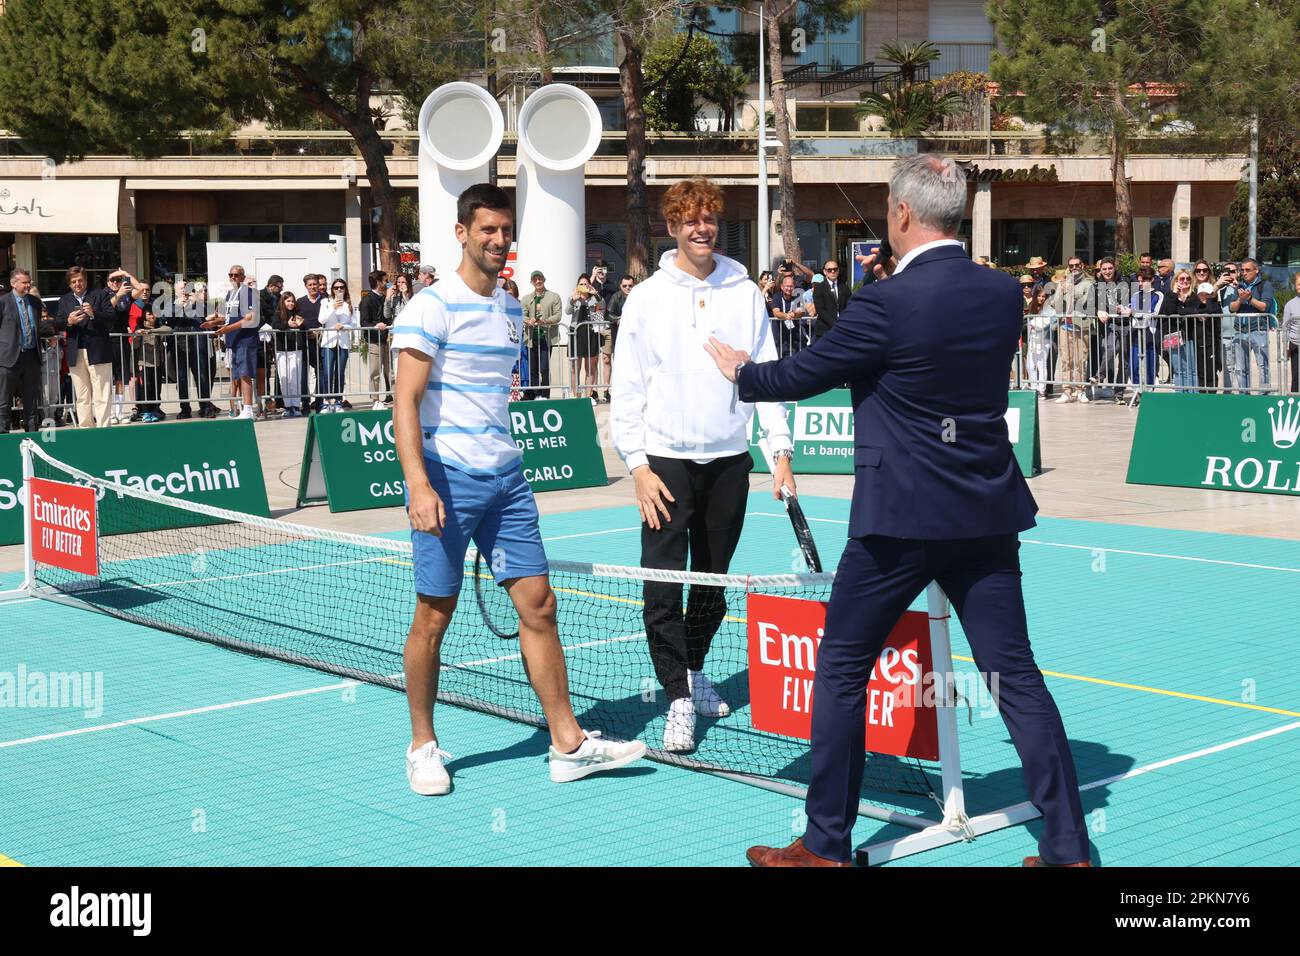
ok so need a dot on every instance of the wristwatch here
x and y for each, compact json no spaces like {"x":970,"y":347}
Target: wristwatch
{"x":786,"y":453}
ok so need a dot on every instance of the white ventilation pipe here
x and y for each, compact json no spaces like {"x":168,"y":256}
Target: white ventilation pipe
{"x":460,"y":130}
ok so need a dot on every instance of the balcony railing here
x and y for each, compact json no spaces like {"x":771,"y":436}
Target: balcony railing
{"x":401,"y":144}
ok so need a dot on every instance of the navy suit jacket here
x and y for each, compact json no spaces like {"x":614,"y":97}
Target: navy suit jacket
{"x":927,"y":354}
{"x":92,"y":336}
{"x":11,"y":334}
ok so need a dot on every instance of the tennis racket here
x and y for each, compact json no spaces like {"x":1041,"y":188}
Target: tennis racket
{"x":801,"y":533}
{"x":503,"y":623}
{"x":807,"y":546}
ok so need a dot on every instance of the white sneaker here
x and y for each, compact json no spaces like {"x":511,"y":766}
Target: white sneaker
{"x":704,"y":697}
{"x":1064,"y":399}
{"x":378,"y":407}
{"x":424,"y":770}
{"x":679,"y":729}
{"x":1083,"y":398}
{"x":247,"y":412}
{"x":594,"y":756}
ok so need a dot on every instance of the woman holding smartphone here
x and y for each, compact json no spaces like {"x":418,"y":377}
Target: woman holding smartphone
{"x":336,"y":317}
{"x":289,"y":353}
{"x":587,"y":308}
{"x":395,"y":300}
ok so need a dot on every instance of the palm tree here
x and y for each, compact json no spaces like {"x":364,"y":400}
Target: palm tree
{"x":728,"y":88}
{"x":909,"y":57}
{"x":910,"y":110}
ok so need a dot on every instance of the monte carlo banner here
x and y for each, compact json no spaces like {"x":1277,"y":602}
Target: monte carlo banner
{"x":1224,"y":442}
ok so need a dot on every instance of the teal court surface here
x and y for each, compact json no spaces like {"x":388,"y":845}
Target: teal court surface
{"x":1168,"y":653}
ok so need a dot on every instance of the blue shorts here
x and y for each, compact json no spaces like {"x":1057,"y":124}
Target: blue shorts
{"x":497,"y":512}
{"x":243,"y":355}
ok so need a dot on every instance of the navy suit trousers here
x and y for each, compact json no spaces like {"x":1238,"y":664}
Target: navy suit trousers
{"x":878,"y":578}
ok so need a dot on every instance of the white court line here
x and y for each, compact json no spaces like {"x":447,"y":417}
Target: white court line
{"x":1157,"y":765}
{"x":1217,"y":748}
{"x":1086,"y":547}
{"x":588,"y":534}
{"x":567,"y":647}
{"x":287,"y":695}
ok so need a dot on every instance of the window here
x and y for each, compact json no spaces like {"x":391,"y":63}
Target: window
{"x":724,"y":25}
{"x":196,"y":251}
{"x":595,"y":49}
{"x":1161,"y":236}
{"x":100,"y":255}
{"x":841,"y":47}
{"x":233,"y":232}
{"x":814,"y":242}
{"x":305,"y":231}
{"x":1094,"y":238}
{"x":1016,"y":241}
{"x":816,"y":118}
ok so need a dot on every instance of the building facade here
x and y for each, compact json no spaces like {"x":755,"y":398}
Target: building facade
{"x":156,"y":217}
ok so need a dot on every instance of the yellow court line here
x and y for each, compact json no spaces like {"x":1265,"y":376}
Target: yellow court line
{"x":1241,"y":705}
{"x":1157,"y":690}
{"x":8,"y":861}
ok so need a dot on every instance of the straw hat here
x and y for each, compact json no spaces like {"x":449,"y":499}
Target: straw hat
{"x":1036,"y":263}
{"x":1026,"y":279}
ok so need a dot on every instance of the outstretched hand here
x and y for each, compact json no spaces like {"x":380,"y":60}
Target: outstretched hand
{"x":726,"y":357}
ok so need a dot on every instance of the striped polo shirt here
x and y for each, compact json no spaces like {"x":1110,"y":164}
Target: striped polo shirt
{"x":474,"y":343}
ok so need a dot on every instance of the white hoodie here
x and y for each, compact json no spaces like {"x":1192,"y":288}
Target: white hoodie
{"x":667,"y":396}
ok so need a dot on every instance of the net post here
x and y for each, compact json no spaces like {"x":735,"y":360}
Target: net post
{"x":29,"y":562}
{"x":954,"y":801}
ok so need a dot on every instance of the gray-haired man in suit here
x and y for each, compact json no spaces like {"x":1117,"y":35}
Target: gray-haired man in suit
{"x":20,"y":351}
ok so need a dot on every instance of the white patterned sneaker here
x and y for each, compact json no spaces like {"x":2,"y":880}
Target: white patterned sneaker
{"x":679,"y":729}
{"x":424,"y":770}
{"x":594,"y":756}
{"x":704,"y":697}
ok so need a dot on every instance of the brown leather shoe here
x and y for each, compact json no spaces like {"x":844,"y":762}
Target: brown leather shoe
{"x":796,"y":854}
{"x":1038,"y":861}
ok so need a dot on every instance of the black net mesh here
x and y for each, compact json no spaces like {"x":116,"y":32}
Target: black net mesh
{"x":343,"y":604}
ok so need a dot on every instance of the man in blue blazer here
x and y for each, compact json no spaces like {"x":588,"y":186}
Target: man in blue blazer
{"x":21,"y":328}
{"x":937,"y":496}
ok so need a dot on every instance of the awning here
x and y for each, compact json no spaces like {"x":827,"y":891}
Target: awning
{"x":85,"y":206}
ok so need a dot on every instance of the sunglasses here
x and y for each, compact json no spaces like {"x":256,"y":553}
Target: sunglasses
{"x":833,"y":269}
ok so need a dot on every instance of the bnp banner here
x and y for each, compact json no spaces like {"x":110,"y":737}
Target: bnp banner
{"x":821,"y":429}
{"x":784,"y":634}
{"x":1022,"y":428}
{"x":1230,"y":442}
{"x":350,"y":460}
{"x":214,"y":463}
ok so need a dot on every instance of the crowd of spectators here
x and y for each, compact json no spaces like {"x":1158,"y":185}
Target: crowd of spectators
{"x":1090,"y":333}
{"x":1093,"y":333}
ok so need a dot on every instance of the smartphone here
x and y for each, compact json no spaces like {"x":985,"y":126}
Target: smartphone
{"x":886,"y":253}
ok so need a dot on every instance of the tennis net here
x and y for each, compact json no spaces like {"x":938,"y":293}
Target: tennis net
{"x":342,"y":603}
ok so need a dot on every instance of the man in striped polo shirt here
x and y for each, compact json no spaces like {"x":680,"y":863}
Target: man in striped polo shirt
{"x":459,"y":342}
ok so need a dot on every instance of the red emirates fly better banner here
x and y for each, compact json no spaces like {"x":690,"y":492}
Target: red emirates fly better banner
{"x":784,"y":635}
{"x":63,"y":525}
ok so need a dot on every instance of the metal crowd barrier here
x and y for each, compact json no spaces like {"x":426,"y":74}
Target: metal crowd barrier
{"x":166,"y":372}
{"x":1118,"y":359}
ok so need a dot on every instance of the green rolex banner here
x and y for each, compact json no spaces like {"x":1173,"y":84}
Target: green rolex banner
{"x":1230,"y":442}
{"x":214,"y":463}
{"x":1022,"y":428}
{"x":350,"y":460}
{"x":821,"y":429}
